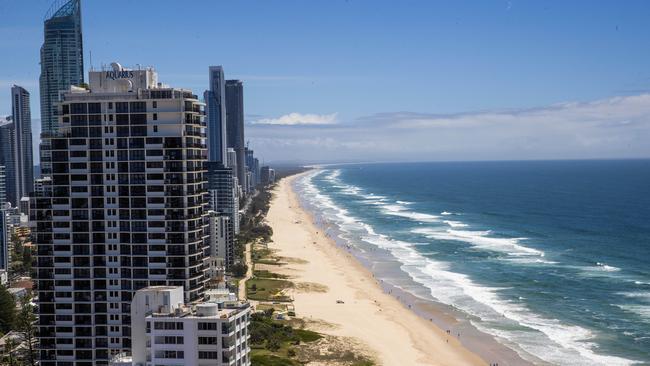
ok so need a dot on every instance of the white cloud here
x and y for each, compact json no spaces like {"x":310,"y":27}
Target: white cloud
{"x":299,"y":119}
{"x":617,"y":127}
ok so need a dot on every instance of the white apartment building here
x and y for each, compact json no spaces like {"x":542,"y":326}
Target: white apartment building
{"x":124,"y":209}
{"x":218,"y":239}
{"x":168,"y":332}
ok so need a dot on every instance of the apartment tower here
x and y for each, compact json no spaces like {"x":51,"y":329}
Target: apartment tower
{"x":125,"y":209}
{"x":235,"y":124}
{"x":22,"y":146}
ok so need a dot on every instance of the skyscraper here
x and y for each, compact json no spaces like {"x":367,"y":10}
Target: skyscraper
{"x":223,"y":200}
{"x":126,"y":209}
{"x":7,"y":149}
{"x":4,"y":237}
{"x":23,"y":156}
{"x":235,"y":123}
{"x":215,"y":99}
{"x":61,"y":58}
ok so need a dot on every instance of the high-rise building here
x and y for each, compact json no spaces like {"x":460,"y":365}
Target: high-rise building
{"x":218,"y":250}
{"x":257,"y":172}
{"x":5,"y":258}
{"x":267,"y":175}
{"x":126,"y":209}
{"x":235,"y":123}
{"x":223,"y":200}
{"x":231,"y":159}
{"x":62,"y":62}
{"x":215,"y":100}
{"x":4,"y":237}
{"x":7,"y":159}
{"x":23,"y":151}
{"x":3,"y":187}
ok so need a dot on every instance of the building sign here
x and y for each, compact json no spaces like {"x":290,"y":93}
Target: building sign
{"x":120,"y":74}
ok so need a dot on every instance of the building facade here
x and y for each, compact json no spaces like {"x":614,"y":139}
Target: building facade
{"x":167,"y":332}
{"x":235,"y":123}
{"x":7,"y":150}
{"x":215,"y":100}
{"x":219,"y":252}
{"x":267,"y":175}
{"x":224,"y":202}
{"x":126,"y":208}
{"x":23,"y":151}
{"x":61,"y":58}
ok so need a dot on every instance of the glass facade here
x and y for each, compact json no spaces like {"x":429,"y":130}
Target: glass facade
{"x":61,"y":58}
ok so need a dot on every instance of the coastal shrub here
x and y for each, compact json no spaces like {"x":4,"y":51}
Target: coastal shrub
{"x":267,"y":274}
{"x":307,"y":335}
{"x":267,"y":289}
{"x":7,"y":310}
{"x":271,"y":360}
{"x":239,"y":269}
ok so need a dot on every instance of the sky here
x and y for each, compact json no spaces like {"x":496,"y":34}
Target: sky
{"x":345,"y":81}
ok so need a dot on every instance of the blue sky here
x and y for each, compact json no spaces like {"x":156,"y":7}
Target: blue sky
{"x":332,"y":80}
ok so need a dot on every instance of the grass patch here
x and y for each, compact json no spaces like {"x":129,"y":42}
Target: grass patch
{"x":268,"y":359}
{"x":271,"y":262}
{"x":262,"y":273}
{"x":307,"y":335}
{"x":266,"y":289}
{"x":274,"y":342}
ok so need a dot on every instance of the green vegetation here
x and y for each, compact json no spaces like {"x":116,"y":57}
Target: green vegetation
{"x":7,"y":310}
{"x":268,"y":359}
{"x":273,"y":341}
{"x":19,"y":350}
{"x":266,"y":289}
{"x":262,"y":273}
{"x":239,"y":270}
{"x":21,"y":257}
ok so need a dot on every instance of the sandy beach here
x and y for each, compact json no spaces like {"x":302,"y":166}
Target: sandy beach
{"x":384,"y":326}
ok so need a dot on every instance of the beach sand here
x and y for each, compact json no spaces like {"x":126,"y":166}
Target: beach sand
{"x":325,"y":273}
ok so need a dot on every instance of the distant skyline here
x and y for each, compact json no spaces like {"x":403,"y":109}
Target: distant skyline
{"x":376,"y":80}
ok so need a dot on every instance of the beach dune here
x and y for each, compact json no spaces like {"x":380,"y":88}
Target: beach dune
{"x":338,"y":290}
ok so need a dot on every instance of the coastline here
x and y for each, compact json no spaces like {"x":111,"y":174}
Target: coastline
{"x":371,"y":312}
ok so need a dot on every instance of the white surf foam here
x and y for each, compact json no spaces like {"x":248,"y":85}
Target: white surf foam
{"x":642,"y":311}
{"x":606,"y":268}
{"x":548,"y":339}
{"x":455,"y":223}
{"x":401,"y":211}
{"x":404,"y":202}
{"x":481,"y":240}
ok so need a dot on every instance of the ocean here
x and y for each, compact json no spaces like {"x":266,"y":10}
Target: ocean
{"x":551,"y":258}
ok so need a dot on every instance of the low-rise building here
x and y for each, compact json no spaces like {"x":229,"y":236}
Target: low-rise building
{"x":166,"y":331}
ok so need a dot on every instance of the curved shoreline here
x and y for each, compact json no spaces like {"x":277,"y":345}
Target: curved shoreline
{"x":371,"y":312}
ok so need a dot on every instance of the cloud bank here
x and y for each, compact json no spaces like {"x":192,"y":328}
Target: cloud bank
{"x":617,"y":127}
{"x":299,"y":119}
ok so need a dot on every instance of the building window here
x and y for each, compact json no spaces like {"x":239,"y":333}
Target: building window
{"x":208,"y":355}
{"x":155,"y":116}
{"x":207,"y":340}
{"x":154,"y":104}
{"x":207,"y":326}
{"x":155,"y":127}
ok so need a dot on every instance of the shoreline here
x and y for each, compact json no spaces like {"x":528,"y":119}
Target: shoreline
{"x":371,"y":313}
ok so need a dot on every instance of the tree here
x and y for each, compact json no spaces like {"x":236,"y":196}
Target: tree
{"x":8,"y":357}
{"x":239,"y":269}
{"x":24,"y":326}
{"x":7,"y":310}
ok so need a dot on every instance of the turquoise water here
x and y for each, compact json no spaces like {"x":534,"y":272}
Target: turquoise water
{"x":552,"y":258}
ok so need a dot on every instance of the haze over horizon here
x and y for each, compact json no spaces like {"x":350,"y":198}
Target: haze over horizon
{"x":360,"y":81}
